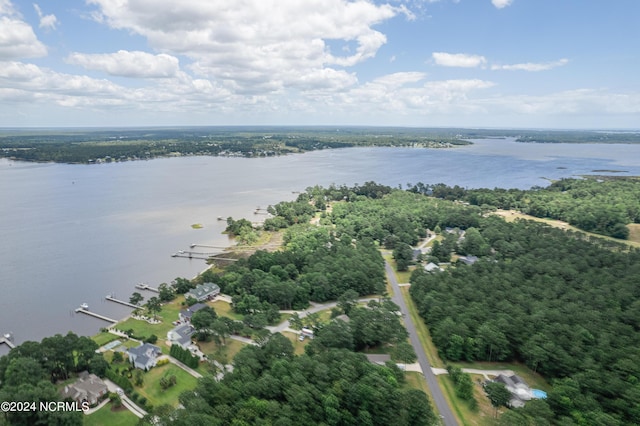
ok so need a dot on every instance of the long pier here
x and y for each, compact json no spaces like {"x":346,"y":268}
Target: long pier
{"x":143,"y":286}
{"x":122,"y":302}
{"x":208,"y":246}
{"x":7,"y":342}
{"x":93,"y":314}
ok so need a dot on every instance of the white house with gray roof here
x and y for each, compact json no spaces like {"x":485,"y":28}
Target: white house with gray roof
{"x":181,"y":336}
{"x":202,"y":292}
{"x":144,"y":356}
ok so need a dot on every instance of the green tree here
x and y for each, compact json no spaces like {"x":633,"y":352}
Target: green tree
{"x":347,"y":301}
{"x":404,"y":353}
{"x":136,"y":298}
{"x":166,"y":293}
{"x":154,"y":306}
{"x":202,"y":321}
{"x":498,"y":395}
{"x":403,"y":254}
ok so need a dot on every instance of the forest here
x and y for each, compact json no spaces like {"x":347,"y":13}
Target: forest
{"x":271,"y":386}
{"x":28,"y":374}
{"x":566,"y":305}
{"x":599,"y":204}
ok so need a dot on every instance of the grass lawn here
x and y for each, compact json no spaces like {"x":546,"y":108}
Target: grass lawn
{"x":154,"y":393}
{"x":103,"y":338}
{"x":224,"y":309}
{"x":168,"y":314}
{"x":298,"y":346}
{"x":106,"y":417}
{"x":223,"y":354}
{"x":634,"y":233}
{"x":534,"y":380}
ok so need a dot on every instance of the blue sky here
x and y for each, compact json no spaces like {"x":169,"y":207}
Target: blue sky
{"x":424,"y":63}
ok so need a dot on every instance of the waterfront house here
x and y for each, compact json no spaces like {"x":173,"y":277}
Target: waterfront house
{"x":88,"y":388}
{"x":181,"y":336}
{"x":202,"y":292}
{"x":186,"y":314}
{"x":144,"y":356}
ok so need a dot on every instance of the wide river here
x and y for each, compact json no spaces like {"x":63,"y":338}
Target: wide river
{"x":75,"y":233}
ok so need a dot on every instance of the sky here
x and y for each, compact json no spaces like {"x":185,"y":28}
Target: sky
{"x":558,"y":64}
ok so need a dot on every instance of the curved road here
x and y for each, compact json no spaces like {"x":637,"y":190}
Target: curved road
{"x":438,"y":398}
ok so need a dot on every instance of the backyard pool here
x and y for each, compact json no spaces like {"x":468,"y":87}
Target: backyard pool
{"x":538,"y":394}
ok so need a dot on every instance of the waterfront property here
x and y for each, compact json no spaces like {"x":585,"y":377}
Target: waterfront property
{"x":144,"y":356}
{"x":181,"y":336}
{"x":186,"y":314}
{"x":88,"y":388}
{"x":202,"y":292}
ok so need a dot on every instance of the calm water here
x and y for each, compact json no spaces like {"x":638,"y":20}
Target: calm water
{"x":75,"y":233}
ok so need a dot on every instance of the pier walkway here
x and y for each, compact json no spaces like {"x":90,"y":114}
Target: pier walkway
{"x":143,"y":286}
{"x":93,"y":314}
{"x":7,"y":342}
{"x":122,"y":302}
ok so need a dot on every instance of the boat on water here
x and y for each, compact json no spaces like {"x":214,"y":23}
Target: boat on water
{"x":85,"y":306}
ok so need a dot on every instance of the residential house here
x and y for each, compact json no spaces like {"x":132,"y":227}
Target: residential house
{"x":186,"y":314}
{"x":202,"y":292}
{"x":181,"y":336}
{"x":379,"y":359}
{"x":88,"y":387}
{"x":520,"y":391}
{"x":432,"y":267}
{"x":468,"y":260}
{"x":144,"y":356}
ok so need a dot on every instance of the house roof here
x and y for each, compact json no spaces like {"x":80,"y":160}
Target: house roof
{"x":378,"y":358}
{"x":182,"y":334}
{"x":187,"y":313}
{"x":468,"y":260}
{"x":203,"y":290}
{"x":88,"y":385}
{"x":145,"y":350}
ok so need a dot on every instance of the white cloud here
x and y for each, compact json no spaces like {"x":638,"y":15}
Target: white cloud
{"x":129,"y":64}
{"x":501,"y":3}
{"x":17,"y":39}
{"x":458,"y":60}
{"x":530,"y":66}
{"x":257,"y":46}
{"x":46,"y":21}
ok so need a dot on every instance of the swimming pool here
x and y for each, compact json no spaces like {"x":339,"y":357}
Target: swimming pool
{"x":538,"y":394}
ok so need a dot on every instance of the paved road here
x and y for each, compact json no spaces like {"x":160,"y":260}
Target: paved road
{"x":438,"y":398}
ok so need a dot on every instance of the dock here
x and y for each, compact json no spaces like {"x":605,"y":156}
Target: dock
{"x":93,"y":314}
{"x":143,"y":286}
{"x":7,"y":341}
{"x":122,"y":302}
{"x":208,"y":246}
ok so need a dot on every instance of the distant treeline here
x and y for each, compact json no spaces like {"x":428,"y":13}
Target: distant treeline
{"x":96,"y":146}
{"x":107,"y":145}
